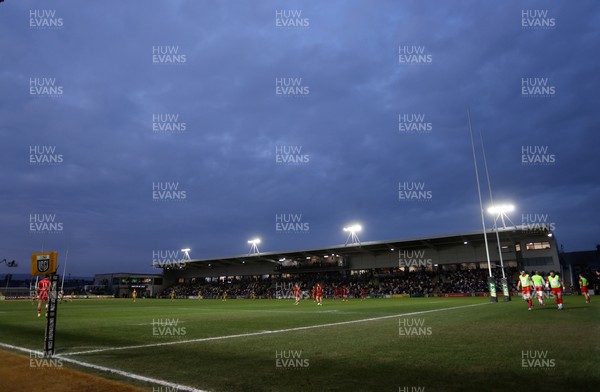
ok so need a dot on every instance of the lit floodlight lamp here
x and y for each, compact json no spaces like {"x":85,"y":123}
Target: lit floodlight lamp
{"x":254,"y":246}
{"x":353,"y":228}
{"x":500,"y":211}
{"x":352,"y":237}
{"x":186,"y":255}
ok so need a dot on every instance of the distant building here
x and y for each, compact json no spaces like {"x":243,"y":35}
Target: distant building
{"x":122,"y":284}
{"x":521,"y":248}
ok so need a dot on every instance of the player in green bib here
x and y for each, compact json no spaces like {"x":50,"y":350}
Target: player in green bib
{"x":525,"y":285}
{"x":538,"y":284}
{"x":557,"y":288}
{"x":583,"y":285}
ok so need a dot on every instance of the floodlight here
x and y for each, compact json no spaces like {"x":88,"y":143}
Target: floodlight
{"x":186,"y":255}
{"x":353,"y":228}
{"x":501,"y":209}
{"x":352,"y":237}
{"x":254,"y":246}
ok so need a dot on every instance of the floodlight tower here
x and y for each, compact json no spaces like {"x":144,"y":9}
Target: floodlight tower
{"x":500,"y":212}
{"x":352,"y":237}
{"x":186,"y":254}
{"x":254,"y":246}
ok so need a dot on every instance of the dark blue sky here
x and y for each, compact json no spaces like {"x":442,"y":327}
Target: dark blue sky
{"x":244,"y":120}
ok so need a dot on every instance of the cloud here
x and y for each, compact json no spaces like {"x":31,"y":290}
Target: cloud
{"x":348,"y":124}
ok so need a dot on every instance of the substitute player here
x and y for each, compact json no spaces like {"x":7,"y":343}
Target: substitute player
{"x":538,"y":285}
{"x":42,"y":289}
{"x":525,"y":284}
{"x":297,"y":293}
{"x":319,"y":294}
{"x":557,"y":287}
{"x":583,"y":284}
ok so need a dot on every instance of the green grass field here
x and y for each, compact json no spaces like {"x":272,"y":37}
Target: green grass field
{"x":446,"y":344}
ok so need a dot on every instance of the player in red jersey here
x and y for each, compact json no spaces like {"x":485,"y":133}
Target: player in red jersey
{"x":363,"y":294}
{"x":319,"y":297}
{"x":42,"y":290}
{"x":538,"y":285}
{"x":583,"y":285}
{"x":297,"y":293}
{"x":312,"y":294}
{"x":557,"y":287}
{"x":336,"y":293}
{"x":345,"y":294}
{"x":525,"y":283}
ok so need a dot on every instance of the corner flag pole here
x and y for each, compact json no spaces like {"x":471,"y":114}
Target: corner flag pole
{"x":491,"y":283}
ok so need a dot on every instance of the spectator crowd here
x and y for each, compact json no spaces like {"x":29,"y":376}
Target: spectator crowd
{"x":375,"y":283}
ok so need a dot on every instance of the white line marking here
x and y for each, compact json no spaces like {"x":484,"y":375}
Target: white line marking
{"x":170,"y":385}
{"x":265,"y":332}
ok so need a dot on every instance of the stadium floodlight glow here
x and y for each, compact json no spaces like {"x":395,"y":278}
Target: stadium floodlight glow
{"x":352,"y":237}
{"x":501,"y":209}
{"x":186,"y":254}
{"x":254,"y":246}
{"x":353,"y":228}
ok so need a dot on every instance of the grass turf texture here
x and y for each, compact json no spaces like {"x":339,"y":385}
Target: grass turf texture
{"x":469,"y":348}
